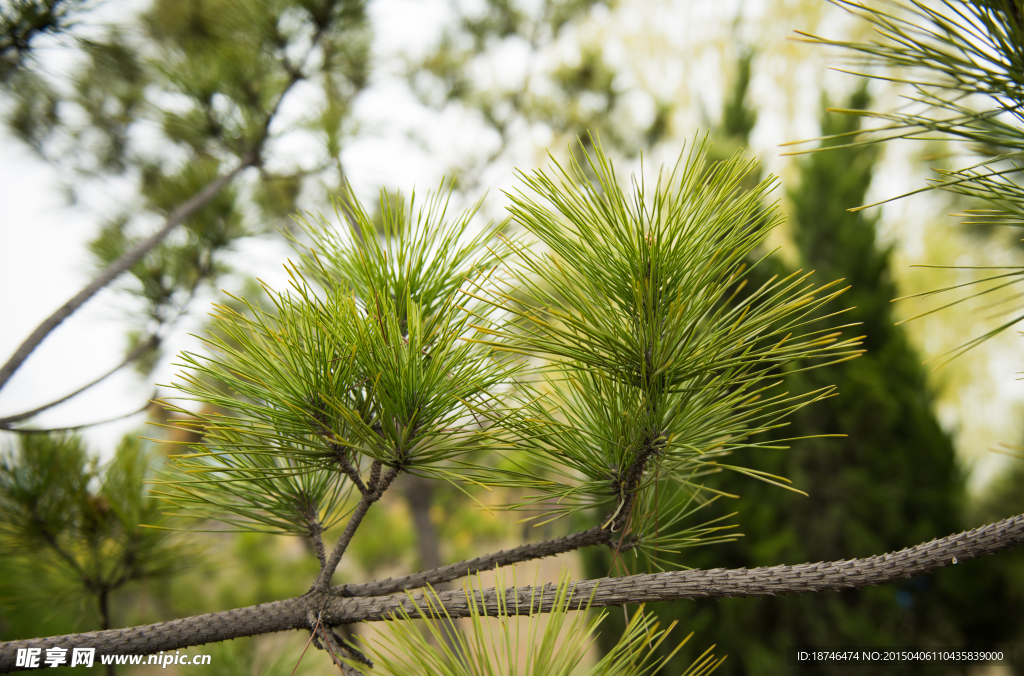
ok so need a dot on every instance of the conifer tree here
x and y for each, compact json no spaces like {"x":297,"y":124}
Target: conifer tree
{"x":856,"y":497}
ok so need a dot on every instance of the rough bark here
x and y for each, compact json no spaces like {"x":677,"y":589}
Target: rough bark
{"x":453,"y":571}
{"x":687,"y":584}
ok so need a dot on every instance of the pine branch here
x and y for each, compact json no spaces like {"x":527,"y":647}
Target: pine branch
{"x":374,"y":490}
{"x":74,"y":428}
{"x":598,"y":535}
{"x":686,"y":584}
{"x":128,"y":259}
{"x":528,"y":552}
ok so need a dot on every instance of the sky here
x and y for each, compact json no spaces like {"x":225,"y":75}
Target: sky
{"x":671,"y":50}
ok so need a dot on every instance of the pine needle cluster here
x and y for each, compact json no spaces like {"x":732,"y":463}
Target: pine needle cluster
{"x":606,"y":365}
{"x":663,"y":362}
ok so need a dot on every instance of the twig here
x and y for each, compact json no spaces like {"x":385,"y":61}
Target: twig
{"x":316,"y":530}
{"x":375,"y":488}
{"x":132,"y":356}
{"x":311,"y":635}
{"x":22,"y":430}
{"x":121,"y":265}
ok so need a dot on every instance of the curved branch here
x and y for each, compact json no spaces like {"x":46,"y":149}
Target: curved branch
{"x":73,"y":428}
{"x":684,"y":584}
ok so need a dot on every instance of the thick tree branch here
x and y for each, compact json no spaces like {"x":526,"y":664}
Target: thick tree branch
{"x":684,"y":584}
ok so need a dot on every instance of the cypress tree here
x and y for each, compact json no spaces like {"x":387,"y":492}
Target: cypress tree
{"x":893,"y":480}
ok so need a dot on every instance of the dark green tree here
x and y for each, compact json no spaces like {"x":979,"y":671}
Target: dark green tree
{"x":73,"y":530}
{"x":857,"y":486}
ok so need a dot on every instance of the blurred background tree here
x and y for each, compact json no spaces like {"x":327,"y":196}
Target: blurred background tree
{"x":858,"y":499}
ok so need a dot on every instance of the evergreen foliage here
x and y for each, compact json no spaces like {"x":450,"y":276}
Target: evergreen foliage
{"x":381,"y":366}
{"x":662,"y":374}
{"x":79,"y":527}
{"x":961,"y":60}
{"x":858,"y":498}
{"x":377,"y":368}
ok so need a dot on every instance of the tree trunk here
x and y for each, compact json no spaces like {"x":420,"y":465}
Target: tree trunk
{"x":419,"y":494}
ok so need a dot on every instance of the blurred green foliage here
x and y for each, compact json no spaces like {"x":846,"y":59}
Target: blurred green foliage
{"x":165,"y":101}
{"x":893,"y":481}
{"x":77,"y":528}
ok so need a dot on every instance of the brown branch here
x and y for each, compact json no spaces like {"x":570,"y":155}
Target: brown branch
{"x":341,"y":456}
{"x":684,"y":584}
{"x":316,"y":529}
{"x":339,"y":450}
{"x":453,"y":571}
{"x":374,"y":489}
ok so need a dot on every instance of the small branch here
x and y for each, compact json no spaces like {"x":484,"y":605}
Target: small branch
{"x":341,"y":456}
{"x":316,"y":530}
{"x":453,"y":571}
{"x":375,"y":488}
{"x":340,"y":451}
{"x":139,"y":350}
{"x":373,"y":485}
{"x":21,"y":430}
{"x":103,"y":599}
{"x":681,"y":584}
